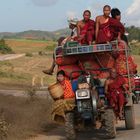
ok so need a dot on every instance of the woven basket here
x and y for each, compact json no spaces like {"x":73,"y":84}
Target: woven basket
{"x":56,"y":91}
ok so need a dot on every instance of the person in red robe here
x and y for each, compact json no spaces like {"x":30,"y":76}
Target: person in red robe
{"x":115,"y":90}
{"x":116,"y":14}
{"x":106,"y":27}
{"x":86,"y":29}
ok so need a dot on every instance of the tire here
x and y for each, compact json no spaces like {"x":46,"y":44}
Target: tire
{"x":69,"y":126}
{"x":137,"y":98}
{"x":109,"y":123}
{"x":129,"y":117}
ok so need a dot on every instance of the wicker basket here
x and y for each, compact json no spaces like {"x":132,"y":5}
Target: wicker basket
{"x":56,"y":91}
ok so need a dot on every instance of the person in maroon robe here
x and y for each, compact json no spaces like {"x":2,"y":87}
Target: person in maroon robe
{"x":115,"y":90}
{"x":116,"y":14}
{"x":86,"y":29}
{"x":107,"y":28}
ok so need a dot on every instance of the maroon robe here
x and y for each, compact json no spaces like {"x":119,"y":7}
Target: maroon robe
{"x":109,"y":31}
{"x":115,"y":95}
{"x":88,"y":31}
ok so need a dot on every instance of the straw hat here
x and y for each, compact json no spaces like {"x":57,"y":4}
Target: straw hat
{"x":73,"y":21}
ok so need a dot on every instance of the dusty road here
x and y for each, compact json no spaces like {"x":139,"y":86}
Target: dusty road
{"x":10,"y":56}
{"x":122,"y":133}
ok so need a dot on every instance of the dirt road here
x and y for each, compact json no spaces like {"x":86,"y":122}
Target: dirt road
{"x":122,"y":133}
{"x":10,"y":56}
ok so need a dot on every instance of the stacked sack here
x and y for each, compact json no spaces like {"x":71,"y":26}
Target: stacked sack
{"x":68,"y":64}
{"x":121,"y":65}
{"x":106,"y":61}
{"x":88,"y":63}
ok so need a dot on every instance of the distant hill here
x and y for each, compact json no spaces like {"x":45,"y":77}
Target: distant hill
{"x":37,"y":34}
{"x":134,"y":34}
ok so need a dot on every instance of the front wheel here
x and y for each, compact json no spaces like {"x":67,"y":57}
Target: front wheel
{"x":129,"y":117}
{"x":69,"y":126}
{"x":109,"y":123}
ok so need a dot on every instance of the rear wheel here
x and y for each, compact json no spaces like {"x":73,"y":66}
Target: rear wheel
{"x":109,"y":122}
{"x":69,"y":126}
{"x":129,"y":117}
{"x":137,"y":98}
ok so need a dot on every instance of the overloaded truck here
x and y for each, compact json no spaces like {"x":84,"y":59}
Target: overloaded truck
{"x":87,"y":60}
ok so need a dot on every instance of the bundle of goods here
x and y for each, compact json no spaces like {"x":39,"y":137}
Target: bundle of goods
{"x":122,"y":46}
{"x":66,"y":60}
{"x":105,"y":59}
{"x":89,"y":63}
{"x":132,"y":82}
{"x":121,"y":65}
{"x":70,"y":68}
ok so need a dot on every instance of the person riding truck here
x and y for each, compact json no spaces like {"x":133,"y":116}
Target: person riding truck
{"x":116,"y":14}
{"x":62,"y":40}
{"x":66,"y":102}
{"x":107,"y":27}
{"x":115,"y":90}
{"x":86,"y":29}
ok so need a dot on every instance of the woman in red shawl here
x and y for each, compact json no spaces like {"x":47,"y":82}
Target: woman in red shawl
{"x":115,"y":90}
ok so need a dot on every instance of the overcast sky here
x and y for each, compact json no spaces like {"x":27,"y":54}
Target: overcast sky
{"x":49,"y":15}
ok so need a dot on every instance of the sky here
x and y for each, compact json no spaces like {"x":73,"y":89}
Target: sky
{"x":50,"y":15}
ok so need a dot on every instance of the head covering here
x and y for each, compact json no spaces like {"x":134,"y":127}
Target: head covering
{"x":73,"y":21}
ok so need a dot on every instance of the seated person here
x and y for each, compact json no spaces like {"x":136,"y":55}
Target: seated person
{"x":62,"y":41}
{"x":115,"y":91}
{"x":86,"y":29}
{"x":107,"y":27}
{"x":66,"y":85}
{"x":116,"y":14}
{"x":66,"y":103}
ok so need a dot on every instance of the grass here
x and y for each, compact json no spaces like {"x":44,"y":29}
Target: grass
{"x":18,"y":73}
{"x":30,"y":46}
{"x":135,"y":48}
{"x":25,"y":117}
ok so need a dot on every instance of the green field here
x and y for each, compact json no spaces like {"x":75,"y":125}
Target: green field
{"x":30,"y":46}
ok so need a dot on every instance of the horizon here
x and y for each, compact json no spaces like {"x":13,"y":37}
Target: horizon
{"x":56,"y":29}
{"x":14,"y":17}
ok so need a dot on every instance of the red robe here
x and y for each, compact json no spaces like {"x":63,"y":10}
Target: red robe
{"x":88,"y":31}
{"x":115,"y":95}
{"x":116,"y":27}
{"x":109,"y":31}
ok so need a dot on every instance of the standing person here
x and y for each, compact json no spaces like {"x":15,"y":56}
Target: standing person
{"x":62,"y":40}
{"x":86,"y":29}
{"x":115,"y":89}
{"x":105,"y":26}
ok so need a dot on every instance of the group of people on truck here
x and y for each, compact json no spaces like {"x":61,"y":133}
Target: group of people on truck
{"x":86,"y":31}
{"x":103,"y":30}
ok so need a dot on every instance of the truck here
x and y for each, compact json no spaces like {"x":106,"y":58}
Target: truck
{"x":86,"y":112}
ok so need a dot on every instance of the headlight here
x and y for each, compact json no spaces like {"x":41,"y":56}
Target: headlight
{"x":82,"y":94}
